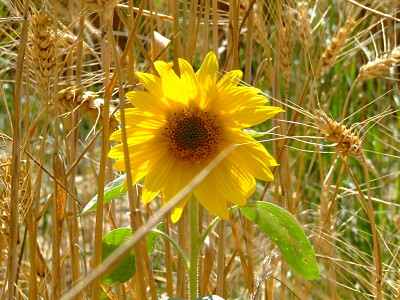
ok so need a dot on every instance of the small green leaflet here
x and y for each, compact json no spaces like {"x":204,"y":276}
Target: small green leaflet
{"x":285,"y":231}
{"x":255,"y":134}
{"x":111,"y":191}
{"x":126,"y":268}
{"x":152,"y":237}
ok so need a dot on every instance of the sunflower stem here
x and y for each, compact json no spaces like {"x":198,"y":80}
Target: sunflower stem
{"x":194,"y":247}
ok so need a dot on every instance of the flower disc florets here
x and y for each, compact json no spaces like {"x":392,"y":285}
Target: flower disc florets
{"x":192,"y":135}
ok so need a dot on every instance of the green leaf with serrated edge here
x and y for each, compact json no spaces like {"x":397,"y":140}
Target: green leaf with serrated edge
{"x":111,"y":191}
{"x":285,"y":231}
{"x":255,"y":134}
{"x":207,"y":297}
{"x":152,"y":237}
{"x":126,"y":268}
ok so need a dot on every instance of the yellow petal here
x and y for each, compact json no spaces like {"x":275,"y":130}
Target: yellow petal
{"x":172,"y":86}
{"x":160,"y":67}
{"x":181,"y":175}
{"x":252,"y":157}
{"x":234,"y":99}
{"x":212,"y":199}
{"x":138,"y":119}
{"x":229,"y":80}
{"x":208,"y":73}
{"x":138,"y":154}
{"x":225,"y":182}
{"x":151,"y":82}
{"x":188,"y":79}
{"x":249,"y":116}
{"x":134,"y":136}
{"x":234,"y":183}
{"x":148,"y":102}
{"x":157,"y":177}
{"x":178,"y":209}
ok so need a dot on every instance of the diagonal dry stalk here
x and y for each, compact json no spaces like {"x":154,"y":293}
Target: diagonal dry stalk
{"x":16,"y":163}
{"x":106,"y":12}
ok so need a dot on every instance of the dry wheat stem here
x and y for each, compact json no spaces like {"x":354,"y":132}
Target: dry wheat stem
{"x":347,"y":143}
{"x":377,"y":256}
{"x":132,"y":193}
{"x":12,"y":267}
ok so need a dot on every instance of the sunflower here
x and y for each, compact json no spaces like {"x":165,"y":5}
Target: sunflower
{"x":182,"y":122}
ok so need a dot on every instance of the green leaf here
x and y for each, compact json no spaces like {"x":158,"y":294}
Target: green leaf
{"x":111,"y":191}
{"x":126,"y":268}
{"x":152,"y":237}
{"x":255,"y":134}
{"x":285,"y":231}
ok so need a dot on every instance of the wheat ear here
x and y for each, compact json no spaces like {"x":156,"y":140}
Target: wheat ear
{"x":284,"y":42}
{"x":87,"y":102}
{"x":335,"y":47}
{"x":42,"y":50}
{"x":346,"y":142}
{"x":304,"y":25}
{"x":380,"y":65}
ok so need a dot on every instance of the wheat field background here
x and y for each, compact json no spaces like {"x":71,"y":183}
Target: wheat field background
{"x":65,"y":67}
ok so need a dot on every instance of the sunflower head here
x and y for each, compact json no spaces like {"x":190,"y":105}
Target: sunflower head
{"x":180,"y":123}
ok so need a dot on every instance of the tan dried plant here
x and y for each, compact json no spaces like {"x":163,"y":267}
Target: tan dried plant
{"x":67,"y":41}
{"x":304,"y":25}
{"x":284,"y":39}
{"x":86,"y":102}
{"x":42,"y":50}
{"x":380,"y":66}
{"x":328,"y":58}
{"x":5,"y":194}
{"x":101,"y":5}
{"x":345,"y":141}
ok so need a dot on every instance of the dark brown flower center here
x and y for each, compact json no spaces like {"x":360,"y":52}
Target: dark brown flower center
{"x":192,"y":135}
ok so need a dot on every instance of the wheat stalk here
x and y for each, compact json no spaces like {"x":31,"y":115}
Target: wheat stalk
{"x":335,"y":47}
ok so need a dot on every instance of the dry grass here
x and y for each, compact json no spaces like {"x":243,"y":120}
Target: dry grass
{"x":66,"y":68}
